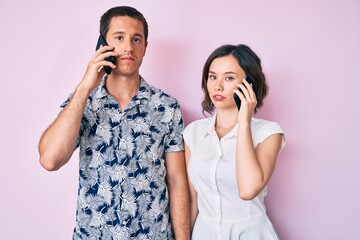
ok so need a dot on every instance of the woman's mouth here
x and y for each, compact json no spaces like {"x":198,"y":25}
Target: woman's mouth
{"x":217,"y":97}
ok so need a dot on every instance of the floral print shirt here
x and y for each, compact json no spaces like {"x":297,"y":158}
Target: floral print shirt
{"x":122,"y":187}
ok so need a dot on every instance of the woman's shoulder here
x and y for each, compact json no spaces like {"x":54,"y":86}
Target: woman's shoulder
{"x":198,"y":126}
{"x":262,"y":129}
{"x":258,"y":123}
{"x":199,"y":123}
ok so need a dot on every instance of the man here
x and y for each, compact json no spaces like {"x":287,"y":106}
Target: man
{"x":132,"y":175}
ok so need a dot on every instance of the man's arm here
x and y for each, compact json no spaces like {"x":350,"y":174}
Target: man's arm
{"x":179,"y":194}
{"x":58,"y":141}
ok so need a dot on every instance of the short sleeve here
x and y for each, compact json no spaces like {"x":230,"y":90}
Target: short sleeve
{"x":266,"y":129}
{"x":174,"y":140}
{"x":187,"y":134}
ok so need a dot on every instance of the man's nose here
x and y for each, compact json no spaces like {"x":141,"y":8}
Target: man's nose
{"x":128,"y":46}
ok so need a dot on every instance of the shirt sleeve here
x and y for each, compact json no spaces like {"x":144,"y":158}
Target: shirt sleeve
{"x":174,"y":140}
{"x":266,"y":130}
{"x":187,"y":135}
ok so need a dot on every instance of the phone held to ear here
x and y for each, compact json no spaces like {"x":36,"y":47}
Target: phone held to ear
{"x":102,"y":41}
{"x":254,"y":86}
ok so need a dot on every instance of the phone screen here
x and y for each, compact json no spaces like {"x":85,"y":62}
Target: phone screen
{"x":102,"y":42}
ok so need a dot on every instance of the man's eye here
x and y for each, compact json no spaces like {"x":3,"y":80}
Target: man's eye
{"x":137,"y":40}
{"x":119,"y":38}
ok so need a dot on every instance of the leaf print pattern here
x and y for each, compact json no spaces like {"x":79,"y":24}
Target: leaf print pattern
{"x":122,"y":186}
{"x":105,"y":192}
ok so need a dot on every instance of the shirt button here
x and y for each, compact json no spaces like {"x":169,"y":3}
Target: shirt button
{"x":122,"y":195}
{"x":124,"y":222}
{"x":121,"y":167}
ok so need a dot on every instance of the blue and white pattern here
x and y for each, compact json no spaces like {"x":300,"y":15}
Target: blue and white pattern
{"x":122,"y":187}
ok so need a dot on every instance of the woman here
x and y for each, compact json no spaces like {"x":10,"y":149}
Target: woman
{"x":231,"y":156}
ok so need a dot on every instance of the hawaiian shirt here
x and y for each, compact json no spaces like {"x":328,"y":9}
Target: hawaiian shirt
{"x":122,"y":187}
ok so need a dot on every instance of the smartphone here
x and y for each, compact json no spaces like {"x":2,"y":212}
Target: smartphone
{"x":102,"y":41}
{"x":254,"y":86}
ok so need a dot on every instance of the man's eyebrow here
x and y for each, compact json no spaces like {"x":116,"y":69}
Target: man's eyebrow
{"x":118,"y":32}
{"x":139,"y":35}
{"x":121,"y":32}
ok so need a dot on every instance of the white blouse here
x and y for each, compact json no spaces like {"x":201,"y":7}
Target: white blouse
{"x":212,"y":171}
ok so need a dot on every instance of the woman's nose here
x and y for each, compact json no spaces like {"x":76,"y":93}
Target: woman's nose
{"x":218,"y":85}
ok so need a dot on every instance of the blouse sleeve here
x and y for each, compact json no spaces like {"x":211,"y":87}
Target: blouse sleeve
{"x":265,"y":130}
{"x":187,"y":134}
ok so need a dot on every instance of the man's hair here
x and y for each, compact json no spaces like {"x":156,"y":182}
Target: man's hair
{"x":248,"y":61}
{"x":118,"y":12}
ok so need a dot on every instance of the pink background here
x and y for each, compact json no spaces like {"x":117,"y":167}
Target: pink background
{"x":310,"y":51}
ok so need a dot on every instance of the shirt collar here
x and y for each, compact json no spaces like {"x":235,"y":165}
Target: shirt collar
{"x":210,"y":129}
{"x":233,"y":132}
{"x":143,"y":92}
{"x":100,"y":91}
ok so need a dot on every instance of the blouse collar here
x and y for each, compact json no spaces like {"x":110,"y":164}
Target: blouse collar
{"x":210,"y":128}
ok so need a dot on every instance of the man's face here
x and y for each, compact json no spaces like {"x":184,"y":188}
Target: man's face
{"x":127,"y":36}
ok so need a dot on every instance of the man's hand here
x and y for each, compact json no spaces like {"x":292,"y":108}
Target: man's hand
{"x":95,"y":70}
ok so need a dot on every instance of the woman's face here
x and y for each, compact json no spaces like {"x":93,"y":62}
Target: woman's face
{"x":224,"y":75}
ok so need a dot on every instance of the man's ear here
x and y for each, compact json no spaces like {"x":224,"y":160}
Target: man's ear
{"x":146,"y":44}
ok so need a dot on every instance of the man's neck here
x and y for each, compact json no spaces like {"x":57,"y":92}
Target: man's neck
{"x":123,"y":88}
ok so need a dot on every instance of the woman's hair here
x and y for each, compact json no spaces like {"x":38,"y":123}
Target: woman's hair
{"x":248,"y":61}
{"x":120,"y":12}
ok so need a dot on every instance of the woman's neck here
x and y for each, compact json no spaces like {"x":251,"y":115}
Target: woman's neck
{"x":225,"y":122}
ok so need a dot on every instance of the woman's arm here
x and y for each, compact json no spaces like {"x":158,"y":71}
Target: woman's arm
{"x":254,"y":167}
{"x":193,"y":195}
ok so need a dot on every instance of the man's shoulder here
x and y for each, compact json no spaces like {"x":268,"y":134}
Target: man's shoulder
{"x":159,"y":94}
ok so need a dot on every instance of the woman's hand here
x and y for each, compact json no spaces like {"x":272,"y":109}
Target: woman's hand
{"x":248,"y":101}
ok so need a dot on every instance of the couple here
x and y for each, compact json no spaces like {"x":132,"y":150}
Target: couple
{"x":133,"y":181}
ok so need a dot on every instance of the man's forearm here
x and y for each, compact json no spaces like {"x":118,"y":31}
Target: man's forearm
{"x":180,"y":210}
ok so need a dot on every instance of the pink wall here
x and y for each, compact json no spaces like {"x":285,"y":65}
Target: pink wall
{"x":310,"y":52}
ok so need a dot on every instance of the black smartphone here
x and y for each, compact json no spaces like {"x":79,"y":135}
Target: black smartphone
{"x":102,"y":41}
{"x":254,"y":86}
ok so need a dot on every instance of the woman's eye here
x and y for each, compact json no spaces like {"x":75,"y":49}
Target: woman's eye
{"x":229,"y":78}
{"x":212,"y":77}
